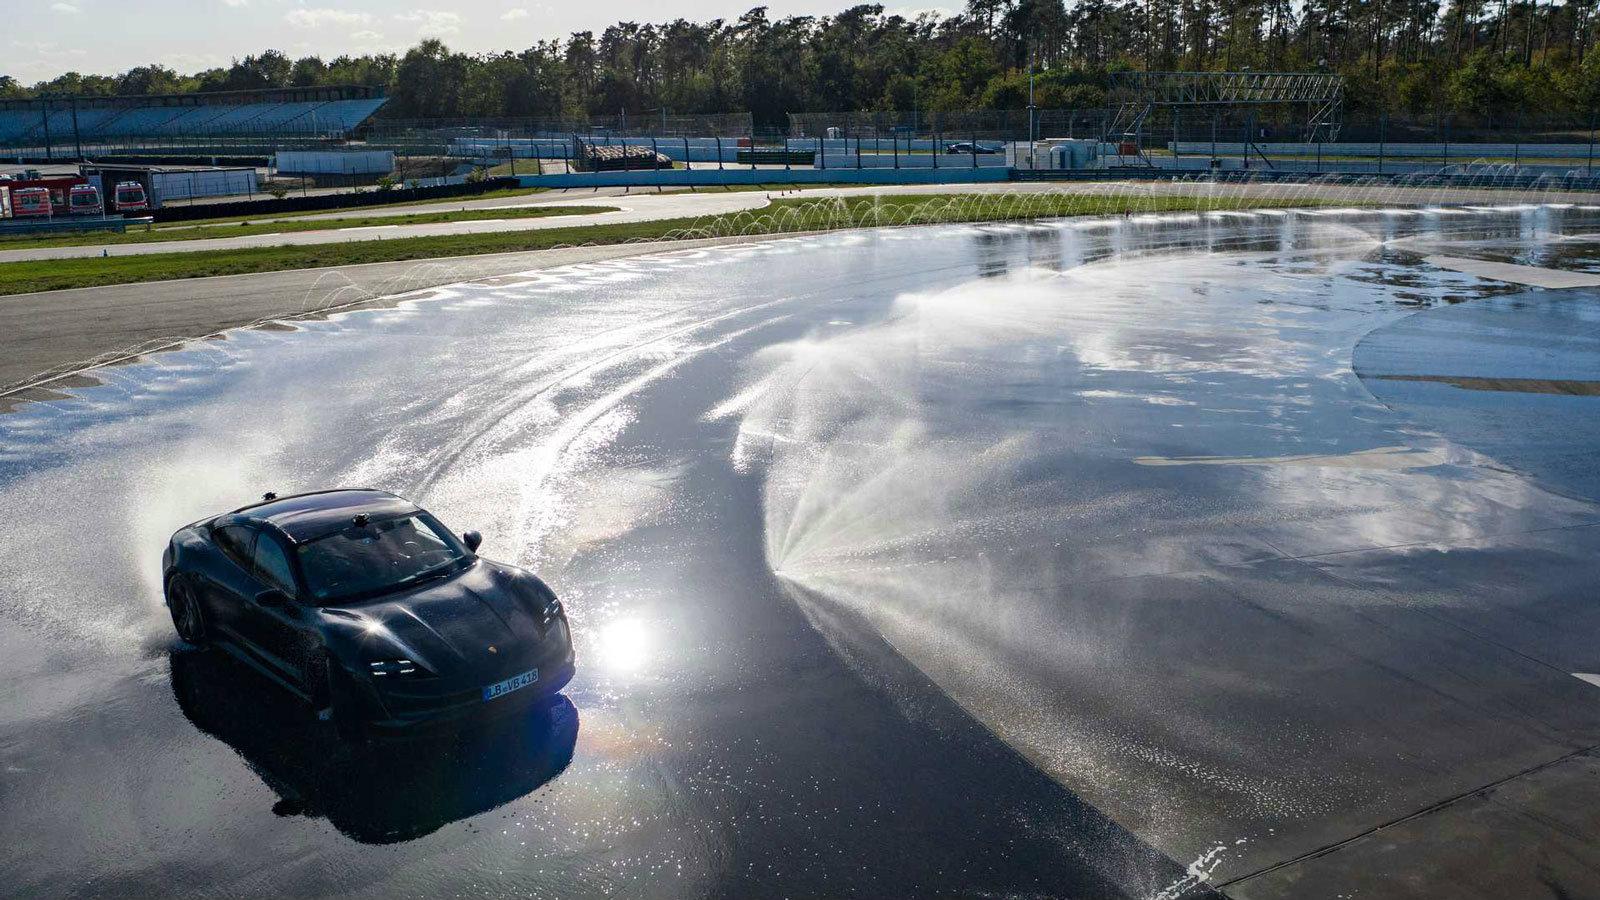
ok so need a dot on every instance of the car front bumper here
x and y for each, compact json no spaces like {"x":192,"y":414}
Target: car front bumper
{"x":413,"y":711}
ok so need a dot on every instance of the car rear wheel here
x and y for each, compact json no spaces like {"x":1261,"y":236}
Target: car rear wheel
{"x":187,"y":616}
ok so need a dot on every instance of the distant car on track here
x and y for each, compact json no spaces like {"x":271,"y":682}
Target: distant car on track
{"x":363,"y":604}
{"x":969,"y":147}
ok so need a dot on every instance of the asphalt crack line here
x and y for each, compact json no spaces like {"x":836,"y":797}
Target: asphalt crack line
{"x":1427,"y":810}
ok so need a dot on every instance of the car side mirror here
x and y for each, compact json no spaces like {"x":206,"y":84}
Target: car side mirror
{"x":472,"y":539}
{"x":272,"y":598}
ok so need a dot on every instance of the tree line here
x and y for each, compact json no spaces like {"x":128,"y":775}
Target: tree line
{"x":1500,"y":59}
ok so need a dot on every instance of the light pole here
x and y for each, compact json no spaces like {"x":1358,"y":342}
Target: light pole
{"x":1030,"y":113}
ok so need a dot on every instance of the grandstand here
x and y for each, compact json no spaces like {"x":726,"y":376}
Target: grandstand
{"x":224,"y":121}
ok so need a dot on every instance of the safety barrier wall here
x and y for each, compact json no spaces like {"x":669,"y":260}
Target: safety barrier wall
{"x":1413,"y":165}
{"x":1463,"y":151}
{"x":924,"y":160}
{"x":697,"y":150}
{"x":714,"y":177}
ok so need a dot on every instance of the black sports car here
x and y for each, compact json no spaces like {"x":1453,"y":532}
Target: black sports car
{"x":366,"y":606}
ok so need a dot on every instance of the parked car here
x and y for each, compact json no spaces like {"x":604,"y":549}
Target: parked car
{"x":369,"y":608}
{"x":969,"y":148}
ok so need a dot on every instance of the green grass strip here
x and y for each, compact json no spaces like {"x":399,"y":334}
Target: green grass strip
{"x":184,"y":232}
{"x":786,"y":215}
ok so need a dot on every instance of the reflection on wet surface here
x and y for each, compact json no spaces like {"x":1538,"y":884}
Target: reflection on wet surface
{"x":1376,"y":458}
{"x":884,"y":551}
{"x":379,"y":794}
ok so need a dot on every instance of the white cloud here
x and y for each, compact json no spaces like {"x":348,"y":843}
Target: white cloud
{"x":512,"y":15}
{"x":915,"y":12}
{"x":49,"y":48}
{"x":432,"y":21}
{"x":366,"y":36}
{"x":323,"y":17}
{"x":66,"y":9}
{"x":236,"y":3}
{"x":194,"y":62}
{"x":39,"y":60}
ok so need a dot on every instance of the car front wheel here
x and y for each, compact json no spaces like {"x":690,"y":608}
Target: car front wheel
{"x":334,"y":699}
{"x":187,"y":616}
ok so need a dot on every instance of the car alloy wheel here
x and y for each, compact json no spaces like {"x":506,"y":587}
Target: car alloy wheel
{"x":186,"y":615}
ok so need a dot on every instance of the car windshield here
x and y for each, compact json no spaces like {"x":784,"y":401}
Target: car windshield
{"x":377,"y":557}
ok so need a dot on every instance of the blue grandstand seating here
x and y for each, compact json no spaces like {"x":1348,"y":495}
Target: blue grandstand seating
{"x":308,"y":118}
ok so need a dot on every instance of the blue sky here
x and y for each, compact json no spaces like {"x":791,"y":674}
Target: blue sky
{"x":44,"y":38}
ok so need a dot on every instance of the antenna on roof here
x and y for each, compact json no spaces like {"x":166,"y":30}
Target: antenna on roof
{"x":268,"y":497}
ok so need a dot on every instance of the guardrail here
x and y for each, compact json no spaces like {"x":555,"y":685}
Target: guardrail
{"x":427,"y":189}
{"x":1501,"y":181}
{"x":65,"y":225}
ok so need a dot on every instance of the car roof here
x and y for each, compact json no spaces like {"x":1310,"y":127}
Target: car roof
{"x":306,"y":517}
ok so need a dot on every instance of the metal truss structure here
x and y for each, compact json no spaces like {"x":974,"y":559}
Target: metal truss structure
{"x":1135,"y":95}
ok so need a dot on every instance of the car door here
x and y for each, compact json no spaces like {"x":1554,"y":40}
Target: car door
{"x":225,"y":584}
{"x":280,"y":632}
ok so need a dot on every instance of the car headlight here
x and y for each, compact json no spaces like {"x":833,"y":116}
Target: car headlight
{"x":397,"y":668}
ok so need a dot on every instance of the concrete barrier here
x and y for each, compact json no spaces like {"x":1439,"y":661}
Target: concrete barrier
{"x":1458,"y":152}
{"x":871,"y":160}
{"x":715,"y":177}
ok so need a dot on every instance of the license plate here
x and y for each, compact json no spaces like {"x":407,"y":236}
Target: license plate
{"x":515,"y":682}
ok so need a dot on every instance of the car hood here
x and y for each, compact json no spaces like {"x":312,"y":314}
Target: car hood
{"x":449,"y":624}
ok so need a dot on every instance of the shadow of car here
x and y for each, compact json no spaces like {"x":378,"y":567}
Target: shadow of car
{"x":381,"y":793}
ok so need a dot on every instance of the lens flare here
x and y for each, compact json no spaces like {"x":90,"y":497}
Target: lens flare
{"x":625,"y":645}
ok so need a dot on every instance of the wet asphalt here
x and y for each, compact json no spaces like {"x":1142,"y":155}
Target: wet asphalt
{"x":1080,"y":559}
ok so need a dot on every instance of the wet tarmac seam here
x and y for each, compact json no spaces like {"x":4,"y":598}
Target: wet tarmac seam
{"x":1448,"y":801}
{"x":1555,"y":386}
{"x":1412,"y":816}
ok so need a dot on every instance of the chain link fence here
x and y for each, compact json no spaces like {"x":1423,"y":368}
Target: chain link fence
{"x":1194,"y":138}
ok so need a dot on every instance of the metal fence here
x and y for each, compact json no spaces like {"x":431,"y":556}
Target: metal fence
{"x":1239,"y":137}
{"x":984,"y":124}
{"x":197,"y":142}
{"x":422,"y":137}
{"x":1375,"y":144}
{"x":1190,"y":138}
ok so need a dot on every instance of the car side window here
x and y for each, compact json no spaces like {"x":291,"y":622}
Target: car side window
{"x":272,"y":565}
{"x":235,"y":542}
